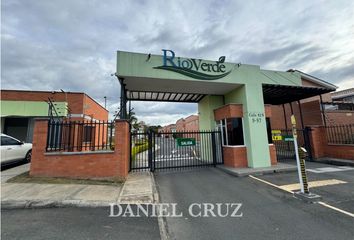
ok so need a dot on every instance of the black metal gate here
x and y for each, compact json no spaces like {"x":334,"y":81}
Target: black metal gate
{"x":175,"y":150}
{"x":285,"y":147}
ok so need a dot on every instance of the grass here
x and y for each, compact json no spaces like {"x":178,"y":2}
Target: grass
{"x":26,"y":178}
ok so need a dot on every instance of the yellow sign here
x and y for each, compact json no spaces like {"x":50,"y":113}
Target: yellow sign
{"x":277,"y":138}
{"x":276,"y":135}
{"x":293,"y":120}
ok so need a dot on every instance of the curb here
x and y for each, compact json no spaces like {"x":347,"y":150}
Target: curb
{"x":256,"y":173}
{"x":51,"y":204}
{"x":334,"y":161}
{"x":161,"y":220}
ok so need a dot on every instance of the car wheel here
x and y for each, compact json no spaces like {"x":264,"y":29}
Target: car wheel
{"x":29,"y":156}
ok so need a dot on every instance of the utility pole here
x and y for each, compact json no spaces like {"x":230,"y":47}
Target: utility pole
{"x":105,"y":102}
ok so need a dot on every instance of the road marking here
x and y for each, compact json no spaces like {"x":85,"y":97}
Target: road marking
{"x":321,"y":203}
{"x":269,"y":183}
{"x":312,"y":184}
{"x":330,"y":169}
{"x":337,"y":209}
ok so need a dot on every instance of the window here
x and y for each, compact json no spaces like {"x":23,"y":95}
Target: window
{"x":88,"y":133}
{"x":269,"y":130}
{"x":9,"y":141}
{"x":232,"y":131}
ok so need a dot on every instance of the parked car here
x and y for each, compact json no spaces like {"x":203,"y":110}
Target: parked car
{"x":13,"y":150}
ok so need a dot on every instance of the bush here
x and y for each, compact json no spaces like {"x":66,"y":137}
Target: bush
{"x":138,"y":148}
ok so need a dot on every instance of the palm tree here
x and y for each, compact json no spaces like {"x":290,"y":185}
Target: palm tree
{"x":133,"y":120}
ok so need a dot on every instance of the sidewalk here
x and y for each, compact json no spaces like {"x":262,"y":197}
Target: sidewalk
{"x":335,"y":161}
{"x":12,"y":172}
{"x":241,"y":172}
{"x":137,"y":189}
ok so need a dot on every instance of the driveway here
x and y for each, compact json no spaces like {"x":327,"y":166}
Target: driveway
{"x":268,"y":213}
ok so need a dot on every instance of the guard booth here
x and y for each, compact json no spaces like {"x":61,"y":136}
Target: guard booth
{"x":234,"y":105}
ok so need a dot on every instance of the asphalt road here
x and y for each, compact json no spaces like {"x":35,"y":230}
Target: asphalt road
{"x":338,"y":195}
{"x":268,"y":213}
{"x":13,"y":164}
{"x":74,"y":223}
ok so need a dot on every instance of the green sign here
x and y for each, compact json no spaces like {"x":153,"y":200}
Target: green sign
{"x":193,"y":67}
{"x":288,"y":138}
{"x":182,"y":142}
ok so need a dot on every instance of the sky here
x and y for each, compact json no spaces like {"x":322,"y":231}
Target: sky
{"x":72,"y":44}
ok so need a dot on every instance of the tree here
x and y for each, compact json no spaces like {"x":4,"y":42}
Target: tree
{"x":133,"y":120}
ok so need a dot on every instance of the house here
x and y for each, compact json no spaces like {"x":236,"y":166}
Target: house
{"x":19,"y":108}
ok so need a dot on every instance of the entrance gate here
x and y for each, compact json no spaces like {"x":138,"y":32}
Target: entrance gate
{"x":152,"y":151}
{"x":285,"y":146}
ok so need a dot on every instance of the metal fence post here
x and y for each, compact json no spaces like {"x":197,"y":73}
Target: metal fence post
{"x":153,"y":151}
{"x":307,"y":131}
{"x":150,"y":150}
{"x":221,"y":148}
{"x":213,"y":143}
{"x":130,"y":147}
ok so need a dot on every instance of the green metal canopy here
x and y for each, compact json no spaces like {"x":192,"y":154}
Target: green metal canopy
{"x":280,"y":94}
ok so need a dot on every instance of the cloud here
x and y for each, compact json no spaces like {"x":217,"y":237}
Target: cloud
{"x":71,"y":45}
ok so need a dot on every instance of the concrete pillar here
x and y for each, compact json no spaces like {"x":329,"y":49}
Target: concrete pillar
{"x":254,"y":123}
{"x":206,"y":108}
{"x":122,"y":147}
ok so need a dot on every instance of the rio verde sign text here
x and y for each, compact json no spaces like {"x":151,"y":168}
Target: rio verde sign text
{"x":194,"y":68}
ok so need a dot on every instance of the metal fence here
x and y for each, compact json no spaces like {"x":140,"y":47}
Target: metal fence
{"x":77,"y":136}
{"x":285,"y":146}
{"x":175,"y":150}
{"x":340,"y":134}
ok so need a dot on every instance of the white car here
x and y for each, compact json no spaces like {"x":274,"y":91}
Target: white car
{"x":13,"y":150}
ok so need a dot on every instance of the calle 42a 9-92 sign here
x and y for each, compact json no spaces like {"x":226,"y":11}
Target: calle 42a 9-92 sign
{"x":191,"y":67}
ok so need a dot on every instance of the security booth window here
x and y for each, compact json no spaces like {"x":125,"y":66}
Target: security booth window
{"x":269,"y":131}
{"x":232,"y":131}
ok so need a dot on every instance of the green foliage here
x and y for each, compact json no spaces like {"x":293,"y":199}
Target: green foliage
{"x":154,"y":129}
{"x":140,"y":147}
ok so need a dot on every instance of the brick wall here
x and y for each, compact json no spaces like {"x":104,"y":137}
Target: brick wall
{"x":169,"y":128}
{"x":180,"y":125}
{"x":228,"y":111}
{"x":340,"y":151}
{"x":235,"y":157}
{"x":339,"y":117}
{"x":321,"y":148}
{"x":93,"y":109}
{"x":191,"y":123}
{"x":109,"y":164}
{"x":310,"y":111}
{"x":273,"y":154}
